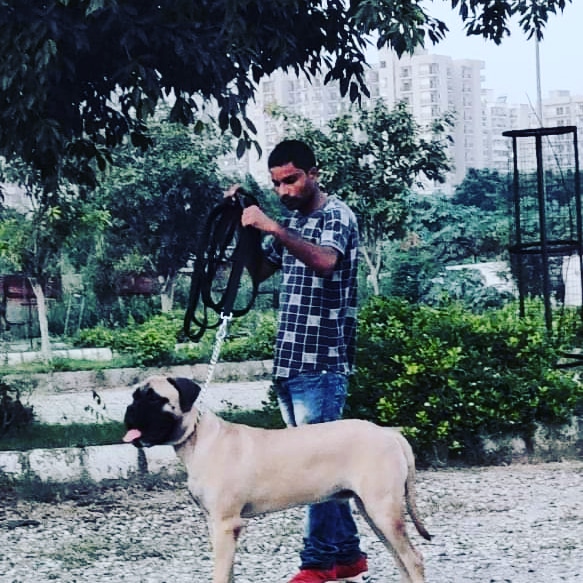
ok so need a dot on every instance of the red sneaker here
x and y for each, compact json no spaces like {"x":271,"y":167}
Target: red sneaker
{"x":356,"y":572}
{"x":315,"y":576}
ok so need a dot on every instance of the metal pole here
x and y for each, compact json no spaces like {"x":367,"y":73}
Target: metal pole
{"x":518,"y":227}
{"x":578,"y":211}
{"x":543,"y":232}
{"x":539,"y":95}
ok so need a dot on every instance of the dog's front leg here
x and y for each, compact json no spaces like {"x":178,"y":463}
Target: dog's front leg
{"x":224,"y":534}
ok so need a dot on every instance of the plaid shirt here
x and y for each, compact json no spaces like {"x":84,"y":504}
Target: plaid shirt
{"x":317,"y":317}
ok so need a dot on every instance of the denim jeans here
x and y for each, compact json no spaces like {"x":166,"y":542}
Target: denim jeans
{"x":330,"y":534}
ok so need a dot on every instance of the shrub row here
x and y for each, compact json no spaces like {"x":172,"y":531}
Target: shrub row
{"x":153,"y":342}
{"x":450,"y":377}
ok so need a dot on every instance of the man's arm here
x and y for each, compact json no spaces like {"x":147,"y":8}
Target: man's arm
{"x":319,"y":258}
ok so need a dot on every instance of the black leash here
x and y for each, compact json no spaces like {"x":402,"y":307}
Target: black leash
{"x":226,"y":248}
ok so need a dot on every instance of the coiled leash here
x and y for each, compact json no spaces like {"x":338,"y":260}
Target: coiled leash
{"x":227,"y":251}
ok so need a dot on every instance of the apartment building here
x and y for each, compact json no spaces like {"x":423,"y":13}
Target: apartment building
{"x":561,"y":108}
{"x":498,"y":116}
{"x":435,"y":84}
{"x":431,"y":85}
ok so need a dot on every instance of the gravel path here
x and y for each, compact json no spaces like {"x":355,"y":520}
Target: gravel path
{"x":518,"y":524}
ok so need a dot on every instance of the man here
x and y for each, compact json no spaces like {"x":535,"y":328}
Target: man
{"x":316,"y":249}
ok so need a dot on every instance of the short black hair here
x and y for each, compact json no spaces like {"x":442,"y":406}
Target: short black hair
{"x":294,"y":151}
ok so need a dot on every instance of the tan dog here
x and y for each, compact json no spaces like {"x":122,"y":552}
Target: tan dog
{"x":236,"y":471}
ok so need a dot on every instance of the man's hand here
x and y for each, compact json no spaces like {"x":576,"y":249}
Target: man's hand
{"x":253,"y":216}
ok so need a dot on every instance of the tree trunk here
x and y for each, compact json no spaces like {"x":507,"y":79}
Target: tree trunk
{"x":167,"y":293}
{"x":43,"y":321}
{"x":374,"y":268}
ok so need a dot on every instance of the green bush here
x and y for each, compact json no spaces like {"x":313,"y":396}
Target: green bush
{"x":251,"y":337}
{"x":97,"y":337}
{"x":450,"y":377}
{"x":153,"y":342}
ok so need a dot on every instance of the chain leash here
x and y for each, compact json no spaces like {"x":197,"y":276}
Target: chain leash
{"x":220,"y":338}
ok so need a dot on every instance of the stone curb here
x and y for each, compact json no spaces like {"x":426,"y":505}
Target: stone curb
{"x":87,"y":464}
{"x":67,"y":382}
{"x":97,"y":354}
{"x":120,"y":461}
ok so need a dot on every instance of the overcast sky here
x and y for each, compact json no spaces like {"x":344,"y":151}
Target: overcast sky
{"x":511,"y":66}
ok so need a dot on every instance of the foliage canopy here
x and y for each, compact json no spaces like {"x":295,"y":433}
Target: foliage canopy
{"x":78,"y":77}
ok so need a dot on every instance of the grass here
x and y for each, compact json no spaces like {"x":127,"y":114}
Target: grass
{"x":43,"y":435}
{"x":268,"y":418}
{"x":65,"y":365}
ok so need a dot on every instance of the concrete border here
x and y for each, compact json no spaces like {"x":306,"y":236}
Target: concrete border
{"x":93,"y":464}
{"x":78,"y":381}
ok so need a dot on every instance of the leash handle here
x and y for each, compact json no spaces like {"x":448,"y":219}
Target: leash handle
{"x":224,"y":241}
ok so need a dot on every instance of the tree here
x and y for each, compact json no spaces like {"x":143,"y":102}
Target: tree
{"x":373,"y":159}
{"x":158,"y":202}
{"x":78,"y":77}
{"x":456,"y":232}
{"x":483,"y":188}
{"x":33,"y":243}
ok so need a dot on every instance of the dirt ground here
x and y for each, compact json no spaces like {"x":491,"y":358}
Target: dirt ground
{"x":518,"y":524}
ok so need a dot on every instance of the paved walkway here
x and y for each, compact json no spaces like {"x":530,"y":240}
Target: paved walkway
{"x":110,"y":404}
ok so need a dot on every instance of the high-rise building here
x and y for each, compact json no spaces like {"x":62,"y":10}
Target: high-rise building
{"x":431,"y":85}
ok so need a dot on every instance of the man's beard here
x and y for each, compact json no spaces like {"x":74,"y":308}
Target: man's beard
{"x":292,"y":203}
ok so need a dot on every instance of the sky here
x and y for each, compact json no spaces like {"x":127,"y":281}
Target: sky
{"x":511,"y":66}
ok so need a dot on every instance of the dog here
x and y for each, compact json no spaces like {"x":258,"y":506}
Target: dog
{"x":236,"y":472}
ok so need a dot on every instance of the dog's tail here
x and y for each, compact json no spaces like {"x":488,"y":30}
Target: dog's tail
{"x":410,"y":493}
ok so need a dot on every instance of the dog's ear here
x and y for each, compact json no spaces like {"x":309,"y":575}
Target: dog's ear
{"x":188,"y":392}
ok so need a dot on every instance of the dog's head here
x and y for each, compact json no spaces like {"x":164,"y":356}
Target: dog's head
{"x":161,"y":412}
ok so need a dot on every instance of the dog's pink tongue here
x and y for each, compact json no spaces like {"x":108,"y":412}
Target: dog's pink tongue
{"x":131,"y":435}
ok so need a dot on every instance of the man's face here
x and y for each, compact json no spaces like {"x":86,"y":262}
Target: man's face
{"x":296,"y":189}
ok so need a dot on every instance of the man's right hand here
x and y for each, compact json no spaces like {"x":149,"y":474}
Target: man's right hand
{"x":253,"y":216}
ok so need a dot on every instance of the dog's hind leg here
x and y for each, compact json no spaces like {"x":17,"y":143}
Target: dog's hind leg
{"x":386,"y":518}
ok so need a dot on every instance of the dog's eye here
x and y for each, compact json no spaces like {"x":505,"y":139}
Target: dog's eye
{"x":151,"y":395}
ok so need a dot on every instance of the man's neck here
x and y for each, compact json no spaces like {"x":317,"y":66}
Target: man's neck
{"x":318,"y":202}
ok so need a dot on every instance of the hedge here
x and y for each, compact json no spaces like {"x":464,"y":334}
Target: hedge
{"x":450,"y":377}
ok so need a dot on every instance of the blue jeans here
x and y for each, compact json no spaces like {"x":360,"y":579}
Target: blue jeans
{"x":330,"y":536}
